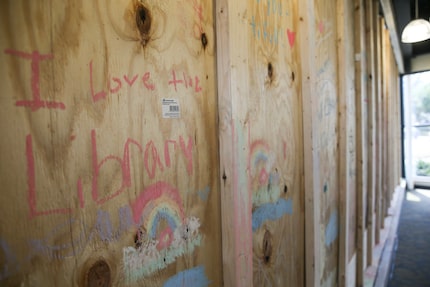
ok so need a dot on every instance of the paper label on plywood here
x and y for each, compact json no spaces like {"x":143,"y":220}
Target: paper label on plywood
{"x":170,"y":109}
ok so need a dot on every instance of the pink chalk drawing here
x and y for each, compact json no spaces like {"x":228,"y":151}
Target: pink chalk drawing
{"x":268,"y":204}
{"x":291,"y":37}
{"x":264,"y":177}
{"x":31,"y":183}
{"x":321,"y":27}
{"x":157,"y":247}
{"x":190,"y":14}
{"x":198,"y":12}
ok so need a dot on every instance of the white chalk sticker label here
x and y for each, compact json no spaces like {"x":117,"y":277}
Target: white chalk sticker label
{"x":170,"y":109}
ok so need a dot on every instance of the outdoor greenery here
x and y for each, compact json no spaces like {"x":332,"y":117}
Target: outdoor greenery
{"x":423,"y":168}
{"x":422,"y":106}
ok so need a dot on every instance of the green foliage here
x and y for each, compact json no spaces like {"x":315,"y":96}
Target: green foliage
{"x":423,"y":168}
{"x":422,"y":103}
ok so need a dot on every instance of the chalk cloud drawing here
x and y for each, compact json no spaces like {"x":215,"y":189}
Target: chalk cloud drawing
{"x":204,"y":194}
{"x":267,"y":203}
{"x":271,"y":211}
{"x":194,"y":277}
{"x":331,"y":231}
{"x":165,"y":233}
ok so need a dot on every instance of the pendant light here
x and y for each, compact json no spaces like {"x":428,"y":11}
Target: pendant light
{"x":417,"y":30}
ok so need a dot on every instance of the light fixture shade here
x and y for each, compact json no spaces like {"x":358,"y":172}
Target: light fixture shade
{"x":416,"y":31}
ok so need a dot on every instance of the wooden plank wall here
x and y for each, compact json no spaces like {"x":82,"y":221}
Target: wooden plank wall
{"x":391,"y":103}
{"x":380,"y":131}
{"x":103,"y":183}
{"x":214,"y":143}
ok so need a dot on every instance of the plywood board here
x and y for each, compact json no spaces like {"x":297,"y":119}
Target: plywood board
{"x":260,"y":135}
{"x":270,"y":119}
{"x":109,"y":148}
{"x":318,"y":40}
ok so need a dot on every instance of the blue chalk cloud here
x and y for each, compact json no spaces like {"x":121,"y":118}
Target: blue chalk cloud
{"x":271,"y":211}
{"x":194,"y":277}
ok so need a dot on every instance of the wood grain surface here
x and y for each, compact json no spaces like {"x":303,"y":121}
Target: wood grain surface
{"x":91,"y":165}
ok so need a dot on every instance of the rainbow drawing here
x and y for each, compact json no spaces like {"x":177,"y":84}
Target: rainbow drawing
{"x":264,"y":180}
{"x":267,"y":203}
{"x":152,"y":196}
{"x":165,"y":233}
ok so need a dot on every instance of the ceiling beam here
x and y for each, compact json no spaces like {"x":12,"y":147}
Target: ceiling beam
{"x":387,"y":9}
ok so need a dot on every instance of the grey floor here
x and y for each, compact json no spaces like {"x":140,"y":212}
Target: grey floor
{"x":411,"y":262}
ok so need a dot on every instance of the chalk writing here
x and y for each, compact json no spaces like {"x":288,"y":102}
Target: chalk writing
{"x":263,"y":27}
{"x":194,"y":277}
{"x":190,"y":14}
{"x":274,"y":7}
{"x":31,"y":183}
{"x":36,"y":103}
{"x":186,"y":81}
{"x":102,"y":229}
{"x":198,"y":12}
{"x":262,"y":31}
{"x":327,"y":107}
{"x":151,"y":160}
{"x":115,"y":84}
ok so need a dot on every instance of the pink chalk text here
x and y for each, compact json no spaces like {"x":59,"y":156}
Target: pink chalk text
{"x":151,"y":161}
{"x":36,"y":102}
{"x":185,"y":80}
{"x":115,"y":84}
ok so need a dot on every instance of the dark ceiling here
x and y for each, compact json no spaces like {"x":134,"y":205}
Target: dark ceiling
{"x":405,"y":12}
